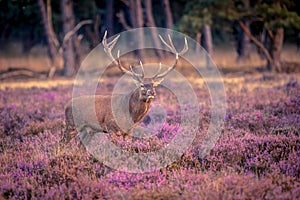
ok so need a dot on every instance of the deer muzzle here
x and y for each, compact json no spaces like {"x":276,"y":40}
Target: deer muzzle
{"x":150,"y":95}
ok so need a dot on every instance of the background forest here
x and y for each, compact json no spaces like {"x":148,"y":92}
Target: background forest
{"x":66,"y":30}
{"x":255,"y":45}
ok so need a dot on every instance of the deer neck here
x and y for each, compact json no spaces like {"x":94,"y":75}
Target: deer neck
{"x":138,"y":108}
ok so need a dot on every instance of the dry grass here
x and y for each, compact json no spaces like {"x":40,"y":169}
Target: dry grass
{"x":224,"y":56}
{"x":12,"y":57}
{"x":36,"y":83}
{"x":35,"y":63}
{"x":235,"y":83}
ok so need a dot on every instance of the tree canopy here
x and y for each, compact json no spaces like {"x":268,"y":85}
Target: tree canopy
{"x":21,"y":18}
{"x":207,"y":21}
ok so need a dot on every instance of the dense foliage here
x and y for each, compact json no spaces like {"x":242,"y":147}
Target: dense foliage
{"x":21,"y":20}
{"x":257,"y":156}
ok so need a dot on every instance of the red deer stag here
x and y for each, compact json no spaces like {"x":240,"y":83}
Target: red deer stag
{"x":139,"y":100}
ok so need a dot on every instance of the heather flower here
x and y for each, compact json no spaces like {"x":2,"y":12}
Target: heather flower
{"x":257,"y":154}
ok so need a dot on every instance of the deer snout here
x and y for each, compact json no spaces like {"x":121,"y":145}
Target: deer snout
{"x":150,"y":94}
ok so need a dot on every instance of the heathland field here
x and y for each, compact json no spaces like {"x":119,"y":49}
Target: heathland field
{"x":257,"y":155}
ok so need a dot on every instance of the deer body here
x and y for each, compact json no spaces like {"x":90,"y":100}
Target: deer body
{"x":105,"y":118}
{"x":130,"y":108}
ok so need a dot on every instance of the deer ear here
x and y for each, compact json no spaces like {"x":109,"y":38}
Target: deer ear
{"x":157,"y":82}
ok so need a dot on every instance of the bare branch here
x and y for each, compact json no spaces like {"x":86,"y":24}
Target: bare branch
{"x":256,"y":41}
{"x":126,"y":2}
{"x":71,"y":33}
{"x":50,"y":24}
{"x":270,"y":34}
{"x":122,"y":20}
{"x":53,"y":43}
{"x":97,"y":23}
{"x":75,"y":29}
{"x":17,"y":72}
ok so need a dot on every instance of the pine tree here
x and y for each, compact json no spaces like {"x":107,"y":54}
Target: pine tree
{"x":275,"y":17}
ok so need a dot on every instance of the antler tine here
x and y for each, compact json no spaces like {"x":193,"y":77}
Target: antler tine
{"x":185,"y":48}
{"x":158,"y":71}
{"x":123,"y":69}
{"x":139,"y":77}
{"x":171,"y":42}
{"x":173,"y":50}
{"x":108,"y":48}
{"x":165,"y":43}
{"x":113,"y":42}
{"x":143,"y":72}
{"x":162,"y":75}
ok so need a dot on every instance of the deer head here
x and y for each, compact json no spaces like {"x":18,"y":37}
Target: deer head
{"x":146,"y":86}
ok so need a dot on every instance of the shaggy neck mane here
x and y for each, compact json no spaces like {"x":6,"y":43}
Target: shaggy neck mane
{"x":138,"y":108}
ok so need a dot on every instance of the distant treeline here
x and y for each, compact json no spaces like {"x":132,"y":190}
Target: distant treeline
{"x":265,"y":23}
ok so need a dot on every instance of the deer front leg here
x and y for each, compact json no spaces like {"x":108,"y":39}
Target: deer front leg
{"x":70,"y":131}
{"x":68,"y":134}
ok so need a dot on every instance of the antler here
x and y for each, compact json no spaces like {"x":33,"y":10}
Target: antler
{"x":109,"y":46}
{"x":172,"y":48}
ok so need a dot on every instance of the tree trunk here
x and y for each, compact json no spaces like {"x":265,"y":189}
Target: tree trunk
{"x":139,"y":23}
{"x":28,"y":41}
{"x":198,"y":40}
{"x":259,"y":44}
{"x":122,"y":20}
{"x":4,"y":34}
{"x":109,"y":17}
{"x":243,"y":44}
{"x":77,"y":51}
{"x":150,"y":18}
{"x":276,"y":50}
{"x":68,"y":49}
{"x":93,"y":35}
{"x":207,"y":39}
{"x":52,"y":41}
{"x":93,"y":32}
{"x":168,"y":14}
{"x":151,"y":23}
{"x":133,"y":13}
{"x":243,"y":47}
{"x":139,"y":14}
{"x":266,"y":41}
